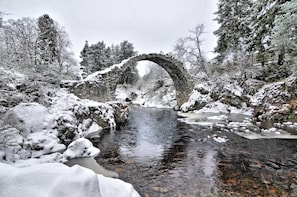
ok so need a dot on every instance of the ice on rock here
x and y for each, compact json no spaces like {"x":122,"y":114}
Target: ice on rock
{"x":88,"y":128}
{"x":81,"y":147}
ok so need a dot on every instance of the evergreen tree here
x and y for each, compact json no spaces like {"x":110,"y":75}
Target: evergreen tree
{"x":264,"y":14}
{"x":115,"y":54}
{"x":47,"y":40}
{"x":85,"y":56}
{"x":129,"y":76}
{"x":98,"y":57}
{"x":284,"y":31}
{"x":233,"y":17}
{"x":126,"y":50}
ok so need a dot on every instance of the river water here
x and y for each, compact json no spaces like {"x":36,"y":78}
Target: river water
{"x":163,"y":156}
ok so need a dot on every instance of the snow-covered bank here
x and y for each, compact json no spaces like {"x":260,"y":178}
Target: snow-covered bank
{"x":210,"y":98}
{"x":56,"y":179}
{"x":271,"y":106}
{"x":239,"y":124}
{"x":32,"y":134}
{"x":39,"y":130}
{"x":47,"y":176}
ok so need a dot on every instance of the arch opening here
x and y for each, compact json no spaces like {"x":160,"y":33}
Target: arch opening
{"x":153,"y":88}
{"x":182,"y":81}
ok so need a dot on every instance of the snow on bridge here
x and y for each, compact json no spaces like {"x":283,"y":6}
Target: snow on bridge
{"x":101,"y":85}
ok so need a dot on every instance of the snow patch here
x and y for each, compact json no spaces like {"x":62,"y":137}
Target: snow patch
{"x":42,"y":143}
{"x":196,"y":97}
{"x":29,"y":118}
{"x":218,"y":107}
{"x":80,"y":148}
{"x":96,"y":75}
{"x":56,"y":179}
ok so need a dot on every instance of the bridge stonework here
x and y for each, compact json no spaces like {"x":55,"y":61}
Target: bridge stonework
{"x":101,"y":85}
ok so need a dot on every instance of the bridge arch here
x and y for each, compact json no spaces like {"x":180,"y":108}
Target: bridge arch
{"x":101,"y":85}
{"x":182,"y":81}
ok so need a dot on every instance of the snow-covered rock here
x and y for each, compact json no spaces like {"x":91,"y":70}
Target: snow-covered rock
{"x":225,"y":97}
{"x":44,"y":130}
{"x":56,"y":179}
{"x":42,"y":143}
{"x":80,"y":148}
{"x":276,"y":101}
{"x":76,"y":118}
{"x":29,"y":118}
{"x":218,"y":107}
{"x":101,"y":113}
{"x":197,"y":100}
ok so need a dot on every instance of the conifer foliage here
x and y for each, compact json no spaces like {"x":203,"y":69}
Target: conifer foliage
{"x":47,"y":40}
{"x":98,"y":57}
{"x":256,"y":27}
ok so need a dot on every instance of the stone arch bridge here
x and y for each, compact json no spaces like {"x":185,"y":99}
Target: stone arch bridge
{"x":101,"y":85}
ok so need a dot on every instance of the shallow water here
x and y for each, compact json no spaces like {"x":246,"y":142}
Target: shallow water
{"x":162,"y":156}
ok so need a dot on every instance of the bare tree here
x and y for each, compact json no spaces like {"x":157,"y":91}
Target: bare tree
{"x":196,"y":39}
{"x":17,"y":41}
{"x":189,"y":50}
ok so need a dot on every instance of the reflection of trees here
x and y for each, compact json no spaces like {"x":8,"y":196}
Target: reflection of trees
{"x":108,"y":144}
{"x":177,"y":151}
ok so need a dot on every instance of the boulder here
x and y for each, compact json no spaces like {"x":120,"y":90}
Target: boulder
{"x":29,"y":118}
{"x":276,"y":101}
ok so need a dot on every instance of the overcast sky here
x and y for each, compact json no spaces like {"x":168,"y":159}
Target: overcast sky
{"x":151,"y":25}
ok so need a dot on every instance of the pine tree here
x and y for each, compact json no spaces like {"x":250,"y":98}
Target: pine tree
{"x":99,"y":57}
{"x":126,"y":50}
{"x":47,"y":40}
{"x":264,"y":14}
{"x":85,"y":56}
{"x":131,"y":74}
{"x":284,"y":32}
{"x":233,"y":17}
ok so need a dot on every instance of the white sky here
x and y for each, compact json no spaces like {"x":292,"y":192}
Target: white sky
{"x":151,"y":25}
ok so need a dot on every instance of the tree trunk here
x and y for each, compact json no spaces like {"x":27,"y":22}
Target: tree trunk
{"x":281,"y":56}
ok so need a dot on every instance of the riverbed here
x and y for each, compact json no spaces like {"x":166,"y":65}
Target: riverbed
{"x":162,"y":155}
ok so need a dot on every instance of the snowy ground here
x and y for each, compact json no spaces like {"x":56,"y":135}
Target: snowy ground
{"x":146,"y":97}
{"x":46,"y":177}
{"x":31,"y":150}
{"x":56,"y":179}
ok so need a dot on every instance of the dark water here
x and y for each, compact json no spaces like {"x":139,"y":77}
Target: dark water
{"x":162,"y":156}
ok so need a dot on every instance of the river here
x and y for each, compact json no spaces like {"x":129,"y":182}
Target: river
{"x":163,"y":156}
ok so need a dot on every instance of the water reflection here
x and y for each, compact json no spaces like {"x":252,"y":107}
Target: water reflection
{"x":161,"y":156}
